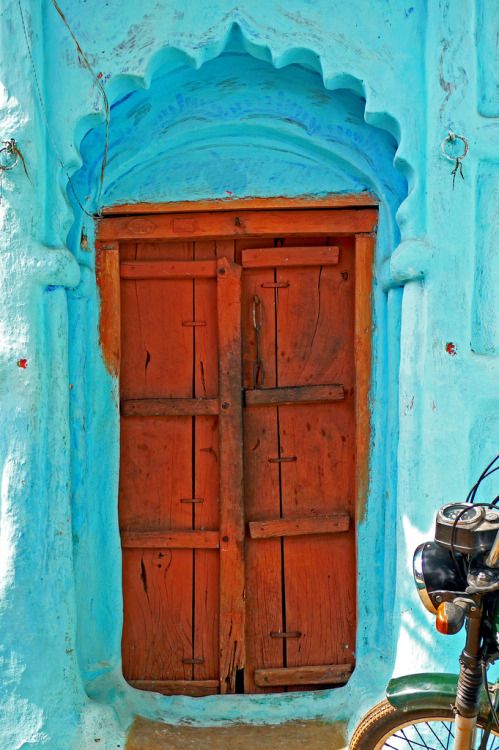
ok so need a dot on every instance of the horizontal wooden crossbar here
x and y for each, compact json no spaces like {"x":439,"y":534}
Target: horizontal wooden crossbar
{"x":164,"y":269}
{"x":170,"y":539}
{"x":271,"y":257}
{"x":329,"y":674}
{"x":168,"y":407}
{"x":300,"y":526}
{"x":194,"y":688}
{"x":243,"y":223}
{"x":307,"y":394}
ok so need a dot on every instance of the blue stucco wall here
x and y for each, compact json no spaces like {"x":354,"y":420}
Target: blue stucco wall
{"x":217,"y":101}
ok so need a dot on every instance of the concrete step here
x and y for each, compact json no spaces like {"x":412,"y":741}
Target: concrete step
{"x":148,"y":735}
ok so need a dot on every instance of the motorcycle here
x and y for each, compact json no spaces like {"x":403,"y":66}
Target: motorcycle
{"x":457,"y":578}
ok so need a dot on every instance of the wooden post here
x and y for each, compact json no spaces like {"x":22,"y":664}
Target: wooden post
{"x":107,"y":272}
{"x":364,"y":259}
{"x":232,"y":616}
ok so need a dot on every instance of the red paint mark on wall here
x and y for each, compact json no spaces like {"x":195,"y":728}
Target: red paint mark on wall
{"x":451,"y":349}
{"x":22,"y":363}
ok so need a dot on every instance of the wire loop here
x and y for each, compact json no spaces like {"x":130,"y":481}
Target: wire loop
{"x":452,"y":137}
{"x":11,"y":151}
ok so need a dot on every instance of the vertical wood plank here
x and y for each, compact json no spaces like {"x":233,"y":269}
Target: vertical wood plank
{"x":232,"y":608}
{"x":107,"y":272}
{"x":159,"y":348}
{"x":264,"y":607}
{"x":364,"y":260}
{"x":224,"y":248}
{"x":156,"y":472}
{"x":157,"y":601}
{"x":206,"y":470}
{"x":315,"y":345}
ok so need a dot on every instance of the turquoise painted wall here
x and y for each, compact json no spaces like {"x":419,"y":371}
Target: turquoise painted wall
{"x":215,"y":101}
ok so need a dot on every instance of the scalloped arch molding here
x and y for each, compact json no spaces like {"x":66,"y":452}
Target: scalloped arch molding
{"x":238,"y":94}
{"x":236,"y":122}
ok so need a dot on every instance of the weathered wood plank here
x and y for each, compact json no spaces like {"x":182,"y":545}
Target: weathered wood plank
{"x":107,"y":258}
{"x":290,"y":256}
{"x":364,"y":259}
{"x":159,"y":350}
{"x":232,"y":581}
{"x":316,"y":347}
{"x":264,"y":607}
{"x":194,"y":688}
{"x":301,"y":394}
{"x":329,"y":674}
{"x":206,"y":515}
{"x":170,"y":539}
{"x":168,"y":407}
{"x":299,"y":526}
{"x":163,"y":269}
{"x":318,"y":222}
{"x":230,"y":204}
{"x":157,"y":626}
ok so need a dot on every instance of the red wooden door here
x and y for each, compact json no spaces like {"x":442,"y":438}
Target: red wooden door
{"x":239,"y":437}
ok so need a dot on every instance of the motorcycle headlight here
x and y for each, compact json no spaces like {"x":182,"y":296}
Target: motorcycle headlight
{"x":435,"y":571}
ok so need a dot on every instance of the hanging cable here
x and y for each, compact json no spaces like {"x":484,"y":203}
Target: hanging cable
{"x":104,"y":96}
{"x":485,"y":473}
{"x":40,"y":97}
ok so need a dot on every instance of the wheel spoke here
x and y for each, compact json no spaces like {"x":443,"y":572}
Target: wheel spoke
{"x":433,"y":729}
{"x":448,"y":726}
{"x":428,"y":735}
{"x":412,"y":742}
{"x":435,"y":734}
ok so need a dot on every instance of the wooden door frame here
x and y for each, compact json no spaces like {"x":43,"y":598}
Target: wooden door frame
{"x":357,"y":215}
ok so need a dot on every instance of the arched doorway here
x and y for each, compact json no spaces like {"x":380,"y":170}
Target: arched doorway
{"x":238,"y":128}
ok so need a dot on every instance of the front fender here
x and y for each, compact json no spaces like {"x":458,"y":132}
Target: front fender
{"x":426,"y":691}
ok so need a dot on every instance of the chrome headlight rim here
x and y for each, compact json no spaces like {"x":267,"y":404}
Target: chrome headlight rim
{"x":418,"y":572}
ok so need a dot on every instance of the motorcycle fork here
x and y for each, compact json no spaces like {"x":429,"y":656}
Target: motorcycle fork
{"x":469,"y":687}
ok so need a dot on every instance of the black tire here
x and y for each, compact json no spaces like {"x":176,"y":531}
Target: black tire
{"x":385,"y":727}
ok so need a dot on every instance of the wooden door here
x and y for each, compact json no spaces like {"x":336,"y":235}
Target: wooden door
{"x":242,"y":415}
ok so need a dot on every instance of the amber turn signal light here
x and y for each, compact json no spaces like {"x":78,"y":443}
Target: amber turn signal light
{"x":450,"y":618}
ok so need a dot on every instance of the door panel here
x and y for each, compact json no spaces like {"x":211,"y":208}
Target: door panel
{"x":274,"y":607}
{"x":157,"y":631}
{"x":264,"y":604}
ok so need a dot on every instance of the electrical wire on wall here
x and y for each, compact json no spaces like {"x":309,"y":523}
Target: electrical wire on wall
{"x":104,"y":96}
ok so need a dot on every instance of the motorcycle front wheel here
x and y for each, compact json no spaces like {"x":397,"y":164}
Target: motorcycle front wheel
{"x":383,"y":727}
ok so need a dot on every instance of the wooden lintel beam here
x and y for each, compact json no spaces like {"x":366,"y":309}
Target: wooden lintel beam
{"x":329,"y":524}
{"x":342,"y":200}
{"x":221,"y":224}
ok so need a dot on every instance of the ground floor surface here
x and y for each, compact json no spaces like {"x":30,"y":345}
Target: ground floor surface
{"x":147,"y":735}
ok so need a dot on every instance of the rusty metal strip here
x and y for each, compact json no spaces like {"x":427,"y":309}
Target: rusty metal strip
{"x":275,"y":285}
